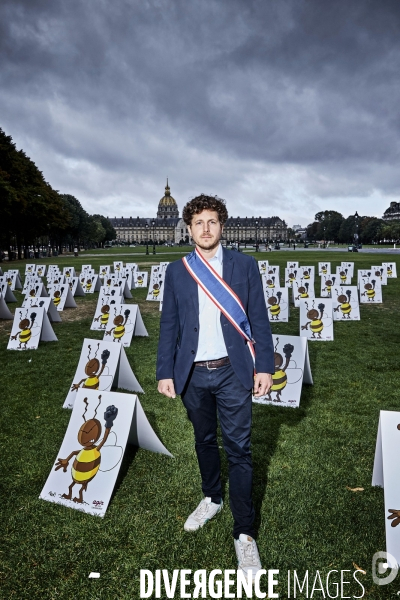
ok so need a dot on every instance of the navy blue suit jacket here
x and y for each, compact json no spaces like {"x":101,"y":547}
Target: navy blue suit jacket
{"x":179,"y":326}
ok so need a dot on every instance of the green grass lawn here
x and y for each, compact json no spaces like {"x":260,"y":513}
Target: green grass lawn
{"x":304,"y":460}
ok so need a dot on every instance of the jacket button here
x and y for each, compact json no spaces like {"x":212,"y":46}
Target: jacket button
{"x":195,"y":328}
{"x":192,"y":351}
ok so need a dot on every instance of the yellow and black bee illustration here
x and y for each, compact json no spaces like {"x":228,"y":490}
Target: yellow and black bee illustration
{"x":291,"y":277}
{"x":369,"y":290}
{"x":263,"y":267}
{"x":328,"y":284}
{"x":156,"y":289}
{"x":9,"y":281}
{"x":119,"y":330}
{"x":316,"y":324}
{"x":33,"y":292}
{"x":279,"y":378}
{"x":25,"y":334}
{"x":303,"y":291}
{"x":40,"y":271}
{"x":344,"y":306}
{"x":324,"y":269}
{"x":306,"y":273}
{"x":270,"y":282}
{"x":87,"y":462}
{"x":57,"y":296}
{"x":379,"y":273}
{"x":93,"y":370}
{"x":275,"y":306}
{"x":389,"y":270}
{"x":105,"y":315}
{"x":88,"y":284}
{"x":140,"y":279}
{"x":343,"y":275}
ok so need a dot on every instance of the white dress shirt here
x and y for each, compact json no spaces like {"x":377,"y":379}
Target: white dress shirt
{"x":211,"y":340}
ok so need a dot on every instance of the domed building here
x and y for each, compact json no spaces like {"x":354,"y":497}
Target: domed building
{"x":167,"y":207}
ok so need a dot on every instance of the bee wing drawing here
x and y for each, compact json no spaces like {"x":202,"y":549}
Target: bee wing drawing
{"x":111,"y":454}
{"x":293,"y":374}
{"x":327,"y":320}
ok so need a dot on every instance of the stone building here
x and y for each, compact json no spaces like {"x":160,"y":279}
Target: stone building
{"x":168,"y":227}
{"x":393,"y":212}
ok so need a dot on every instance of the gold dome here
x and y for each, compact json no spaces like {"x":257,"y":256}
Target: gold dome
{"x":167,"y":200}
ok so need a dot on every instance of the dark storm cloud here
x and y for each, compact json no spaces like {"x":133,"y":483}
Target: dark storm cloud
{"x":128,"y":86}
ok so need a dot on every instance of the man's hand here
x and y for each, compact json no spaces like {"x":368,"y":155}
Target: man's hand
{"x":262,"y":384}
{"x":166,"y":387}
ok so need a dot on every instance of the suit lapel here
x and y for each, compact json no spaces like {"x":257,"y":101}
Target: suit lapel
{"x":227,"y":266}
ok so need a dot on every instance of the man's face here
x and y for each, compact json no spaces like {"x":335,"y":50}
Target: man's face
{"x":206,"y":230}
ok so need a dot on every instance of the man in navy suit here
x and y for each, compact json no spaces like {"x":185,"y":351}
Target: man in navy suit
{"x":203,"y":357}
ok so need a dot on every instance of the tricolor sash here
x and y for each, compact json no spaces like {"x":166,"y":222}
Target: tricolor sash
{"x":221,"y":294}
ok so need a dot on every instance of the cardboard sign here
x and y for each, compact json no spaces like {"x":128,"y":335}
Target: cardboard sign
{"x":349,"y":266}
{"x":56,"y":279}
{"x":345,"y":303}
{"x":343,"y":276}
{"x":104,"y":270}
{"x":380,"y":272}
{"x":104,"y":304}
{"x":75,"y":286}
{"x":84,"y":473}
{"x":292,"y":369}
{"x":6,"y":292}
{"x":269,"y":281}
{"x":41,"y":270}
{"x":327,"y":282}
{"x":69,"y":272}
{"x":46,"y":303}
{"x":30,"y":269}
{"x":126,"y":321}
{"x":363,"y":273}
{"x":273,"y":271}
{"x":5,"y":312}
{"x":324,"y":268}
{"x":370,"y":290}
{"x":36,"y":291}
{"x":292,"y":264}
{"x":307,"y":273}
{"x":62,"y":296}
{"x":120,"y":282}
{"x":118,"y":266}
{"x":86,"y":268}
{"x":31,"y":281}
{"x":316,"y":321}
{"x":277,"y":303}
{"x":90,"y":283}
{"x":140,"y":279}
{"x":101,"y":365}
{"x":133,"y":267}
{"x":386,"y":474}
{"x":262,"y":266}
{"x":156,"y":281}
{"x":29,"y":327}
{"x":302,"y":289}
{"x":12,"y":280}
{"x":391,"y":269}
{"x":290,"y":277}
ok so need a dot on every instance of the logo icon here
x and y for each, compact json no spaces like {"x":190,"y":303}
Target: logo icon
{"x":387,"y":562}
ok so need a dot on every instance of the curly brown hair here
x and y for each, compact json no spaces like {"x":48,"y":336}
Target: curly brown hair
{"x":203,"y":202}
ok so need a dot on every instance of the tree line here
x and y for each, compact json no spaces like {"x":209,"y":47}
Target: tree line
{"x":330,"y":225}
{"x":32,"y":214}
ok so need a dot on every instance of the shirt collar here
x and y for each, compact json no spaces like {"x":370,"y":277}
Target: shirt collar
{"x":218,"y":255}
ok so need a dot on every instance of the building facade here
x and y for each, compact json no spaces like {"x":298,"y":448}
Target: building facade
{"x":393,"y":212}
{"x":168,"y":227}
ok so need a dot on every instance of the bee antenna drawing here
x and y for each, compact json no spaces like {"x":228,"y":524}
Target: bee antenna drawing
{"x":307,"y":305}
{"x":313,"y":303}
{"x":85,"y":401}
{"x":95,"y":411}
{"x":95,"y":354}
{"x":277,"y":343}
{"x":115,"y":311}
{"x":90,"y":349}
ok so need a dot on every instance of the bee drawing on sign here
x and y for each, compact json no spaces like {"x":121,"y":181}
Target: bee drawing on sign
{"x":270,"y":282}
{"x":324,"y":269}
{"x":275,"y":305}
{"x":316,"y":322}
{"x":284,"y":373}
{"x":156,"y":289}
{"x":303,"y":291}
{"x":272,"y":271}
{"x":105,"y":315}
{"x":25,"y":334}
{"x":343,"y":275}
{"x":291,"y":277}
{"x":344,"y":304}
{"x":57,"y":296}
{"x":33,"y":303}
{"x":389,"y":270}
{"x":88,"y":285}
{"x":328,"y":284}
{"x":9,"y":281}
{"x":33,"y":292}
{"x":379,"y":274}
{"x":40,"y":271}
{"x":140,"y":280}
{"x":369,"y":290}
{"x":307,"y":274}
{"x":103,"y":272}
{"x":121,"y":326}
{"x":118,"y":266}
{"x":67,"y":273}
{"x":292,"y":267}
{"x":86,"y":465}
{"x":94,"y":372}
{"x":263,"y":267}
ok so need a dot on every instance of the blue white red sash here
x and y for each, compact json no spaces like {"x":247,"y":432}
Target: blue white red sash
{"x":221,"y":294}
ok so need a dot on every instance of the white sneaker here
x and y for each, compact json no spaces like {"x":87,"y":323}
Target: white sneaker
{"x":247,"y":555}
{"x":205,"y":511}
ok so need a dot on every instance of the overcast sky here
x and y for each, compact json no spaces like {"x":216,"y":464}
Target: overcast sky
{"x":282,"y":107}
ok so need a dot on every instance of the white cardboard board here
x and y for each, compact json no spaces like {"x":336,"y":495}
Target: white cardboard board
{"x":292,"y":265}
{"x":30,"y":269}
{"x":104,"y":304}
{"x":262,"y":266}
{"x":104,"y":270}
{"x":90,"y":283}
{"x":46,"y":303}
{"x":316,"y":319}
{"x":307,"y":273}
{"x":370,"y":290}
{"x":290,"y":277}
{"x":391,"y":269}
{"x":156,"y":282}
{"x":125,"y":321}
{"x":363,"y":273}
{"x":30,"y":327}
{"x":302,"y":289}
{"x":277,"y":303}
{"x":5,"y":312}
{"x":118,"y":266}
{"x":141,"y":279}
{"x":324,"y":268}
{"x":343,"y":275}
{"x":36,"y":291}
{"x":69,"y":272}
{"x":292,"y":369}
{"x":55,"y":279}
{"x":86,"y":268}
{"x":380,"y":272}
{"x":273,"y":271}
{"x":349,"y":266}
{"x":12,"y":280}
{"x":269,"y":281}
{"x":120,"y":419}
{"x":41,"y":270}
{"x":345,"y":303}
{"x":75,"y":286}
{"x":327,"y":282}
{"x":62,"y":296}
{"x":6,"y":292}
{"x":102,"y":365}
{"x":386,"y":474}
{"x":31,"y":281}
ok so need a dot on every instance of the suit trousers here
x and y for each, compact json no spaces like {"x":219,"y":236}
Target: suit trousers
{"x":207,"y":393}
